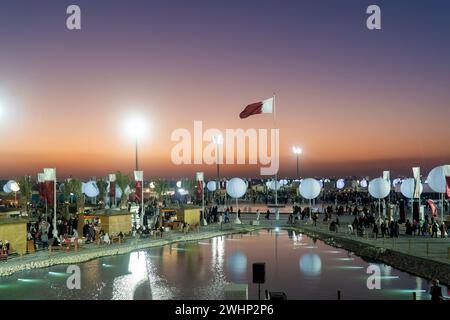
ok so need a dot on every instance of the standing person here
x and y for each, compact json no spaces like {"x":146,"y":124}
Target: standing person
{"x":268,"y":214}
{"x":383,"y":229}
{"x":375,"y":230}
{"x":257,"y":214}
{"x":435,"y":291}
{"x":443,"y":230}
{"x":291,"y":218}
{"x":434,"y":229}
{"x":396,"y":229}
{"x":44,"y":239}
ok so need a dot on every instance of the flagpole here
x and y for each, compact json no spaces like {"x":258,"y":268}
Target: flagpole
{"x":276,"y":173}
{"x":142,"y":201}
{"x":55,"y":232}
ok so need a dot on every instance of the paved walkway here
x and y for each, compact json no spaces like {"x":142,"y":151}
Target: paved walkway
{"x":44,"y":258}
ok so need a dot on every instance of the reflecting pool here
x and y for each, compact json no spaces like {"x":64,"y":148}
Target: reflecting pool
{"x":302,"y":267}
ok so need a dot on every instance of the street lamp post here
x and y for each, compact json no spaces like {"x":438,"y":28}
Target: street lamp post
{"x":218,"y":141}
{"x":136,"y":128}
{"x":297,"y":151}
{"x":137,"y":163}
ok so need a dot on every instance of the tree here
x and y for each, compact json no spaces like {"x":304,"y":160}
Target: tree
{"x":190,"y":185}
{"x":161,"y":187}
{"x":122,"y":181}
{"x":26,"y":185}
{"x":73,"y":188}
{"x":102,"y":185}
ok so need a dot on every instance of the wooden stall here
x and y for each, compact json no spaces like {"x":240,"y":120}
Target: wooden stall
{"x":187,"y":214}
{"x":111,"y":221}
{"x":14,"y":230}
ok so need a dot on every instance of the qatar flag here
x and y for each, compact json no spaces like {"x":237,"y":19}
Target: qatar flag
{"x":447,"y":180}
{"x":138,"y":192}
{"x":265,"y":106}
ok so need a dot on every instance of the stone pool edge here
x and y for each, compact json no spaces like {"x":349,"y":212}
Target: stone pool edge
{"x":418,"y":266}
{"x":80,"y":257}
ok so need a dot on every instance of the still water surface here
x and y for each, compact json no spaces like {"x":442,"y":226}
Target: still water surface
{"x":301,"y":267}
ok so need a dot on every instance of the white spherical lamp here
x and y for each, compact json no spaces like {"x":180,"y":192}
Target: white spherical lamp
{"x":211,"y":185}
{"x":363,"y":183}
{"x":379,"y":188}
{"x":340,"y":184}
{"x":407,"y":188}
{"x":236,"y":188}
{"x":309,"y":188}
{"x":436,"y":178}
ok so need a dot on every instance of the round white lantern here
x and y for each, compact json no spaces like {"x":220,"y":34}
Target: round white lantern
{"x":309,"y":188}
{"x":211,"y":185}
{"x":379,"y":188}
{"x":363,"y":183}
{"x":6,"y":188}
{"x":90,"y":189}
{"x":11,"y":186}
{"x":436,"y":178}
{"x":407,"y":188}
{"x":236,"y":188}
{"x":340,"y":184}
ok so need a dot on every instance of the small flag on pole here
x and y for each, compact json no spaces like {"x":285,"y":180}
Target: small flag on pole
{"x":416,"y":174}
{"x":265,"y":106}
{"x":447,"y":180}
{"x":138,"y":175}
{"x":50,"y":174}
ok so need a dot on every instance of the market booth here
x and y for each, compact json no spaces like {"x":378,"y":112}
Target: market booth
{"x":174,"y":216}
{"x":14,"y":230}
{"x":111,"y":221}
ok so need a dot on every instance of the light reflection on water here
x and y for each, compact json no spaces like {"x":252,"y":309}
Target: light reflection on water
{"x":302,"y":267}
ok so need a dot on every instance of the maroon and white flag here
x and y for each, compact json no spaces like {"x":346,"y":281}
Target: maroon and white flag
{"x":447,"y":188}
{"x":265,"y":106}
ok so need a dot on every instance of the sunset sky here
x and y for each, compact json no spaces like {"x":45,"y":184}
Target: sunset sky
{"x":357,"y":101}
